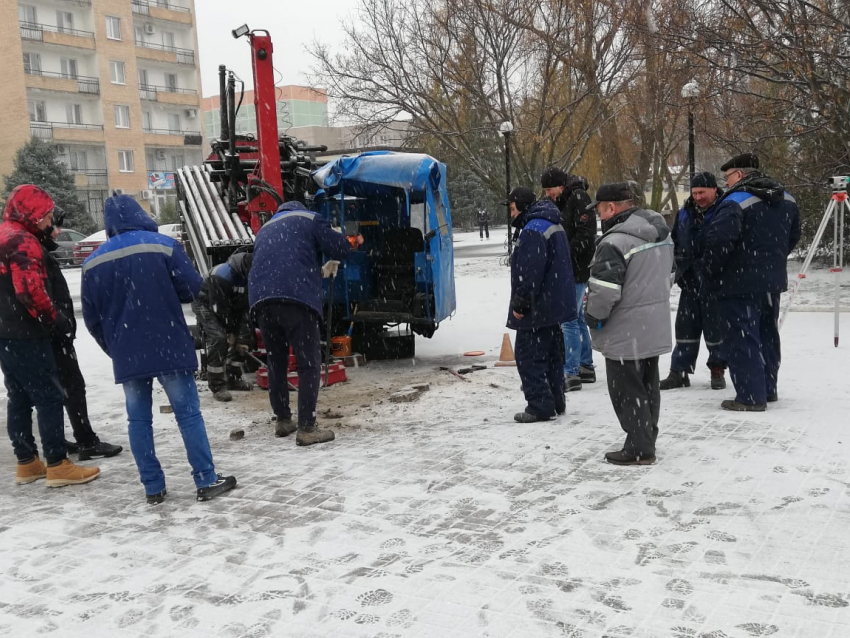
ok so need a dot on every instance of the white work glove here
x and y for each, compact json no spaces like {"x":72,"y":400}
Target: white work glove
{"x":330,"y":268}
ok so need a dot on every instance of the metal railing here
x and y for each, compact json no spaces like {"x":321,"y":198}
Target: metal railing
{"x":96,"y":176}
{"x":35,"y":31}
{"x":153,"y":88}
{"x":44,"y":130}
{"x":161,"y":131}
{"x":85,"y":84}
{"x":189,"y":137}
{"x":184,"y":56}
{"x":142,"y":7}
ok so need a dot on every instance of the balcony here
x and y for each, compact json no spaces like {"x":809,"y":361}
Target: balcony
{"x":163,"y":53}
{"x":162,"y":10}
{"x":64,"y":132}
{"x":165,"y":137}
{"x":168,"y":95}
{"x":51,"y":81}
{"x":61,"y":36}
{"x":86,"y":178}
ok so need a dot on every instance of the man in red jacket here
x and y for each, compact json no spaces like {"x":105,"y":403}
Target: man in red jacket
{"x":27,"y":320}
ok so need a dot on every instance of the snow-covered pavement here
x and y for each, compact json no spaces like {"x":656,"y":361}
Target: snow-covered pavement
{"x":443,"y":518}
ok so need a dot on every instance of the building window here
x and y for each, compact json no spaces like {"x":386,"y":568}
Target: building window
{"x":171,"y":82}
{"x":69,"y":68}
{"x":32,"y":63}
{"x":113,"y":28}
{"x":38,"y":111}
{"x":74,"y":113}
{"x":147,"y":121}
{"x":116,"y":72}
{"x":64,"y":21}
{"x":177,"y":161}
{"x":168,"y":40}
{"x":174,"y":122}
{"x":79,"y":160}
{"x":122,"y":116}
{"x":27,"y":13}
{"x":125,"y":162}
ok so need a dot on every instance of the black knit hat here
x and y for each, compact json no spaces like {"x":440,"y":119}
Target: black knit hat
{"x":523,"y":197}
{"x":614,"y":192}
{"x":703,"y":180}
{"x":744,"y":160}
{"x":552,"y":177}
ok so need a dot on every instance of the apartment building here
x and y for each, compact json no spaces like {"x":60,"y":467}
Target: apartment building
{"x":297,"y":106}
{"x":303,"y":113}
{"x":114,"y":84}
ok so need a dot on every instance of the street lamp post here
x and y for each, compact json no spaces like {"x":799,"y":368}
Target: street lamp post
{"x":506,"y":128}
{"x":689,"y":92}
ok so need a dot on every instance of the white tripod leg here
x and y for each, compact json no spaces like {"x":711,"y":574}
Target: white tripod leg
{"x":812,"y":249}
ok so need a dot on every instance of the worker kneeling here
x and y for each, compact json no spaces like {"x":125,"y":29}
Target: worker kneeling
{"x":222,"y":312}
{"x":285,"y":293}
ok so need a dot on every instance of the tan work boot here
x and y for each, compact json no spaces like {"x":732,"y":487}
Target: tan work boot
{"x":66,"y":473}
{"x":29,"y":472}
{"x":312,"y":435}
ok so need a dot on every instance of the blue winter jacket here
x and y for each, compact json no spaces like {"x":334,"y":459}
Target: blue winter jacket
{"x":133,"y":286}
{"x":288,"y":257}
{"x":686,"y":234}
{"x":747,"y":239}
{"x":542,"y":284}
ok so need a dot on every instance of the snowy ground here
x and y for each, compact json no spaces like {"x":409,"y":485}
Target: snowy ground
{"x":444,"y":518}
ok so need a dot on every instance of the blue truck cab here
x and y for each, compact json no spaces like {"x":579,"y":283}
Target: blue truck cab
{"x":402,"y":276}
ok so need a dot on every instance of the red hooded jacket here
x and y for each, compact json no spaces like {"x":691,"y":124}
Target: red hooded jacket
{"x":26,"y":311}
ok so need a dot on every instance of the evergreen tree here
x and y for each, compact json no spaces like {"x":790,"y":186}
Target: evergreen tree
{"x":37,"y":162}
{"x":168,"y":213}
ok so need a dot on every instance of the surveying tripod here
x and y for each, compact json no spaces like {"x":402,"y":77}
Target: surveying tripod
{"x":838,"y":203}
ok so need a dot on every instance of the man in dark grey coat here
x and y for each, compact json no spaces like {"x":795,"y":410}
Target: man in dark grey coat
{"x":628,"y":313}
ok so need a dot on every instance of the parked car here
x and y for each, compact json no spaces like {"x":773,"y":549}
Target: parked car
{"x":87,"y":246}
{"x":66,"y":238}
{"x":172,"y":230}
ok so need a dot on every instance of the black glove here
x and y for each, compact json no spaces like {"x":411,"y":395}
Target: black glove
{"x":520,"y":305}
{"x":64,"y":326}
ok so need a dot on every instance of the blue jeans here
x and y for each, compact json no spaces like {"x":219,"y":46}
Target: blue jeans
{"x":32,"y":380}
{"x":183,"y":395}
{"x":577,"y":339}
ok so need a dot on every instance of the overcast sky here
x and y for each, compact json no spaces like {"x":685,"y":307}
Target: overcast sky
{"x":293,"y":24}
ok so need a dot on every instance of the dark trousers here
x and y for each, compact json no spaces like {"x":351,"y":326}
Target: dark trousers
{"x":224,"y":361}
{"x":284,"y":325}
{"x":636,"y":396}
{"x":694,"y":318}
{"x":29,"y":372}
{"x":540,"y":363}
{"x":751,"y":345}
{"x":73,"y":391}
{"x":484,"y":227}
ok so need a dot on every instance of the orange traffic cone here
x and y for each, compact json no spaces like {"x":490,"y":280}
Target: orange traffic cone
{"x":506,"y":356}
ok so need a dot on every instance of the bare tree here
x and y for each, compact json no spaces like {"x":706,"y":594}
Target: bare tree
{"x":458,"y":68}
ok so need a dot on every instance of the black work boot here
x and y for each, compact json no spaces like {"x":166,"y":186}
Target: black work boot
{"x":311,"y":434}
{"x":625,"y":458}
{"x":572,"y":382}
{"x":736,"y":406}
{"x":528,"y":417}
{"x":674,"y":380}
{"x":99,"y":449}
{"x":222,"y":395}
{"x":283,"y":426}
{"x":220,"y":486}
{"x":156,"y":499}
{"x":72,"y":447}
{"x":587,"y":374}
{"x":238,"y":385}
{"x":718,"y":380}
